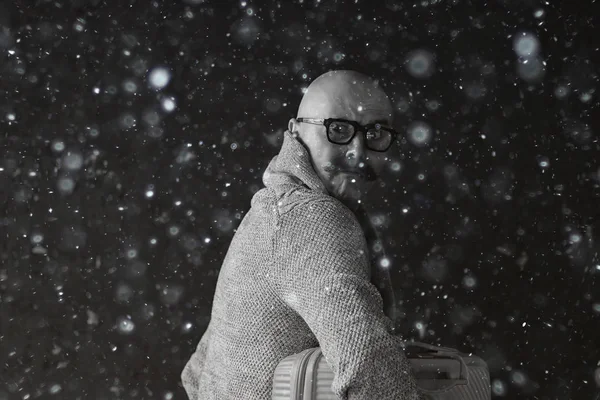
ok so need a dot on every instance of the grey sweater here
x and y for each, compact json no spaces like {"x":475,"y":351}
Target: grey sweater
{"x":299,"y":274}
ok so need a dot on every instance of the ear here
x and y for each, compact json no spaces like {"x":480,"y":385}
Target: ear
{"x":292,"y":125}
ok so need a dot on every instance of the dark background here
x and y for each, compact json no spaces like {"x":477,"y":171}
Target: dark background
{"x":105,"y":290}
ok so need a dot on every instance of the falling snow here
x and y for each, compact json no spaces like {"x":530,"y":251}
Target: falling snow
{"x":134,"y":137}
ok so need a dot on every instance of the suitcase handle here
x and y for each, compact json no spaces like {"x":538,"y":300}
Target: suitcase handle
{"x":447,"y":352}
{"x":429,"y":347}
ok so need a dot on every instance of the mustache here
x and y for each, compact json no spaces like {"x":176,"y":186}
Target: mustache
{"x":366,"y":172}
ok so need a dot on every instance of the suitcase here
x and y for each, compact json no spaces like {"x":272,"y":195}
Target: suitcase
{"x":442,"y":373}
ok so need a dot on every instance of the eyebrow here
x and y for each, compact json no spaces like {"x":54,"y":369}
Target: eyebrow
{"x":378,"y":121}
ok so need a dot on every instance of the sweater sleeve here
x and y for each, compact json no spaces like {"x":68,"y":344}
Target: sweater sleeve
{"x":322,"y":273}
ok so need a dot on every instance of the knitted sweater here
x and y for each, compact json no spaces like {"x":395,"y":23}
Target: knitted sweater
{"x":298,"y":274}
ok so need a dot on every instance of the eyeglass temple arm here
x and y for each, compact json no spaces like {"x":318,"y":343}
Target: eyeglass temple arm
{"x":315,"y":121}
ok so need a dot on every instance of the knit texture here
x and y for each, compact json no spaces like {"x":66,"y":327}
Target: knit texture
{"x":299,"y":274}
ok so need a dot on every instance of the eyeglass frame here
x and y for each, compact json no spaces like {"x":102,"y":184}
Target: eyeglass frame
{"x":357,"y":127}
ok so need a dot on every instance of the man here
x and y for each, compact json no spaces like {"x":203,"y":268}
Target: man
{"x":297,"y":274}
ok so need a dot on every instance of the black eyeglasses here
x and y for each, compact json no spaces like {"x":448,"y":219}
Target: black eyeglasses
{"x":340,"y":131}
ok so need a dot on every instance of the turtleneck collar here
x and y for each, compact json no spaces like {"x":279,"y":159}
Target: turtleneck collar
{"x":293,"y":167}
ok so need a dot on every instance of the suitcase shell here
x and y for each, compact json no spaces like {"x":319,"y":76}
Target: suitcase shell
{"x":442,"y":374}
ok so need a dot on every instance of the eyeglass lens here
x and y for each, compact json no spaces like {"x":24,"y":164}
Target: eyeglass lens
{"x":341,"y":132}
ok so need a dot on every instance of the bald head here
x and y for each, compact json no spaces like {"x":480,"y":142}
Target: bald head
{"x":345,"y":94}
{"x":351,"y":96}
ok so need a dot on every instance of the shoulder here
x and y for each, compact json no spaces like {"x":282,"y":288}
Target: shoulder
{"x":324,"y":218}
{"x":322,"y":236}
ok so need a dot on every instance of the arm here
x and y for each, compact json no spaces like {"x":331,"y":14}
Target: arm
{"x":322,"y":273}
{"x":192,"y":371}
{"x":380,"y":276}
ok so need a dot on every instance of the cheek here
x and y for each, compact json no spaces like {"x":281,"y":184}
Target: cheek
{"x":326,"y":157}
{"x":327,"y":164}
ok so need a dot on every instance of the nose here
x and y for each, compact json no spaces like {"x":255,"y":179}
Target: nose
{"x":356,"y":151}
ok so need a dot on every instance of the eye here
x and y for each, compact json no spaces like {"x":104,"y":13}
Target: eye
{"x":339,"y":127}
{"x":374,"y":134}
